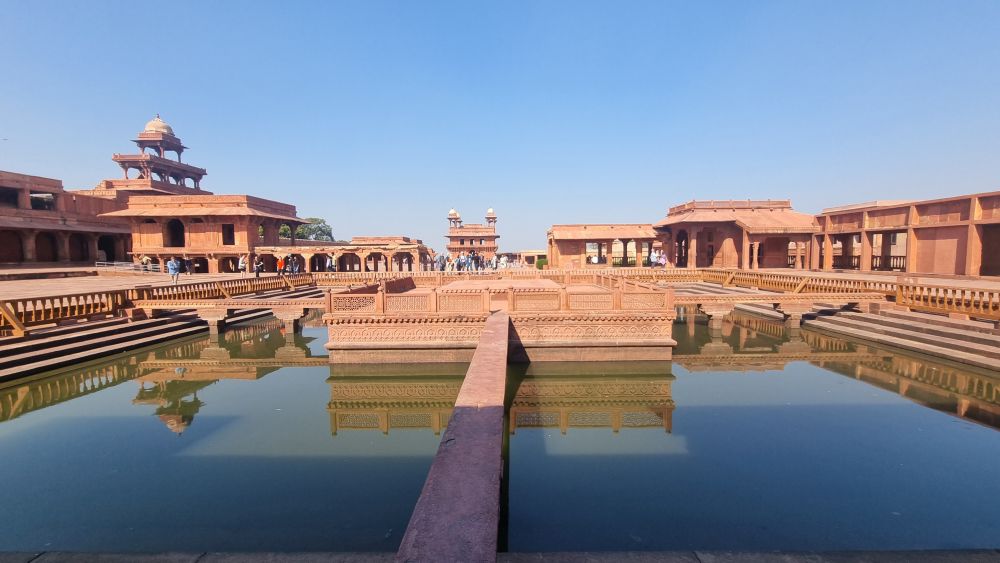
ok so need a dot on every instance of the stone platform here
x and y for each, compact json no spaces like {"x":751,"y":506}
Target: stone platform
{"x":549,"y":322}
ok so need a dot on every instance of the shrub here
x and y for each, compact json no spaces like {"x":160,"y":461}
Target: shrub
{"x":541,"y":263}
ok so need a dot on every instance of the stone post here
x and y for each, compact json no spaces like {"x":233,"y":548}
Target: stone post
{"x":754,"y":252}
{"x":28,"y":245}
{"x":380,"y":300}
{"x":692,"y":254}
{"x":827,"y":253}
{"x":62,"y":239}
{"x":866,"y":252}
{"x":24,"y":199}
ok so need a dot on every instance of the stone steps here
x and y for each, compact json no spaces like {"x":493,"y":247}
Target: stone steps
{"x":926,"y":328}
{"x":115,"y":339}
{"x":940,"y":320}
{"x":79,"y":333}
{"x":56,"y":330}
{"x":971,"y":353}
{"x":865,"y":323}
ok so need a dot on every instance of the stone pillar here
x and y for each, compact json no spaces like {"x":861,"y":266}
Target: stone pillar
{"x":754,"y":252}
{"x":308,"y":265}
{"x":692,"y":253}
{"x":745,"y":255}
{"x":92,"y":248}
{"x":814,"y":253}
{"x":800,"y":251}
{"x":28,"y":245}
{"x":827,"y":252}
{"x":911,"y":250}
{"x":120,"y":249}
{"x":885,"y":251}
{"x":866,"y":251}
{"x":24,"y":199}
{"x":62,"y":241}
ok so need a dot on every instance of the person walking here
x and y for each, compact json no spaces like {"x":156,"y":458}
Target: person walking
{"x":329,"y":263}
{"x":258,"y":267}
{"x":242,"y":265}
{"x":188,"y":265}
{"x":281,"y":265}
{"x":174,"y":269}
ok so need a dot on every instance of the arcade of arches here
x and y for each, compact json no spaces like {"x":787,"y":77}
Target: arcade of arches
{"x":29,"y":245}
{"x":362,"y":254}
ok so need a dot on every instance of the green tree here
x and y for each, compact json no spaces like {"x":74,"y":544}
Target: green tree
{"x":316,"y":229}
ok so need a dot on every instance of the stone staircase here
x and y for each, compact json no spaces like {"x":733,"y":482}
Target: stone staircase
{"x":66,"y":345}
{"x":59,"y":346}
{"x":968,"y":342}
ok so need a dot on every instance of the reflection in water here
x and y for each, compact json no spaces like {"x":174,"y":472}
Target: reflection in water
{"x":677,"y":450}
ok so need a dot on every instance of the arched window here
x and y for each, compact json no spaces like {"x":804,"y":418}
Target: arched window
{"x":174,"y":234}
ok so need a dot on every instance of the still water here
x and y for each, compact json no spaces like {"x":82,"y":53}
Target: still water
{"x":753,"y":438}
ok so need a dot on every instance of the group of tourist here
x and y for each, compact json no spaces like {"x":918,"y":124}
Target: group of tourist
{"x":471,"y":262}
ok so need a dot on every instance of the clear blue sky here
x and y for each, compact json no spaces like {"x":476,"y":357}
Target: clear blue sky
{"x":380,"y":116}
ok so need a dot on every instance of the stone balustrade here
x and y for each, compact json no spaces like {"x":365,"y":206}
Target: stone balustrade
{"x":975,"y":303}
{"x":18,"y":315}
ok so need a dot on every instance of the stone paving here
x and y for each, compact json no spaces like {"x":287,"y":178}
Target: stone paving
{"x":953,"y":556}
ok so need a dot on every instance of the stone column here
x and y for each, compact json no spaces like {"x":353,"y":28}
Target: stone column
{"x":308,"y":266}
{"x":866,"y":251}
{"x":885,"y":251}
{"x":827,"y":252}
{"x":692,"y":254}
{"x":745,"y":256}
{"x":28,"y":245}
{"x":754,"y":251}
{"x":120,"y":249}
{"x":24,"y":199}
{"x":814,"y":253}
{"x":800,"y":250}
{"x":62,"y":240}
{"x":92,"y":248}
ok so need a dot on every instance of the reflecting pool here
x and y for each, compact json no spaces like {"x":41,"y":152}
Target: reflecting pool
{"x":753,"y":438}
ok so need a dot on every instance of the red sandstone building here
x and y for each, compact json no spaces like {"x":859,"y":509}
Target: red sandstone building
{"x":42,"y":222}
{"x":472,"y":237}
{"x":169,"y":218}
{"x":954,"y":235}
{"x":737,"y":234}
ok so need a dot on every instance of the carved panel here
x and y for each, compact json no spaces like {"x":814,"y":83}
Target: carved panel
{"x":589,"y":301}
{"x":406,"y":303}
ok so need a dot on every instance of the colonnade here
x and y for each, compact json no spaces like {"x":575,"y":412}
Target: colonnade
{"x":43,"y":245}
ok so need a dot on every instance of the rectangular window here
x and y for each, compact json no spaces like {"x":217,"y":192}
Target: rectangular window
{"x":228,"y":234}
{"x":43,"y":201}
{"x":8,"y":197}
{"x":461,"y":242}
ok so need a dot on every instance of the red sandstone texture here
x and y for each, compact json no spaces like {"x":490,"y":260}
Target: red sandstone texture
{"x":458,"y":512}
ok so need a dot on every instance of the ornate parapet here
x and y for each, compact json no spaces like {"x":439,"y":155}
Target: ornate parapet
{"x":594,"y":336}
{"x":404,"y":339}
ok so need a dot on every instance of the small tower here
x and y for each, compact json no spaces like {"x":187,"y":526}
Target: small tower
{"x":478,"y":238}
{"x":155,"y":173}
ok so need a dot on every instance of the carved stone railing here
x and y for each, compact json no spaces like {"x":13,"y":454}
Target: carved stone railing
{"x":975,"y":303}
{"x":18,"y":315}
{"x":221,"y":289}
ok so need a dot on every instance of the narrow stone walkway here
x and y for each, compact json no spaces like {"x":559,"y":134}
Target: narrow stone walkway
{"x":457,"y":515}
